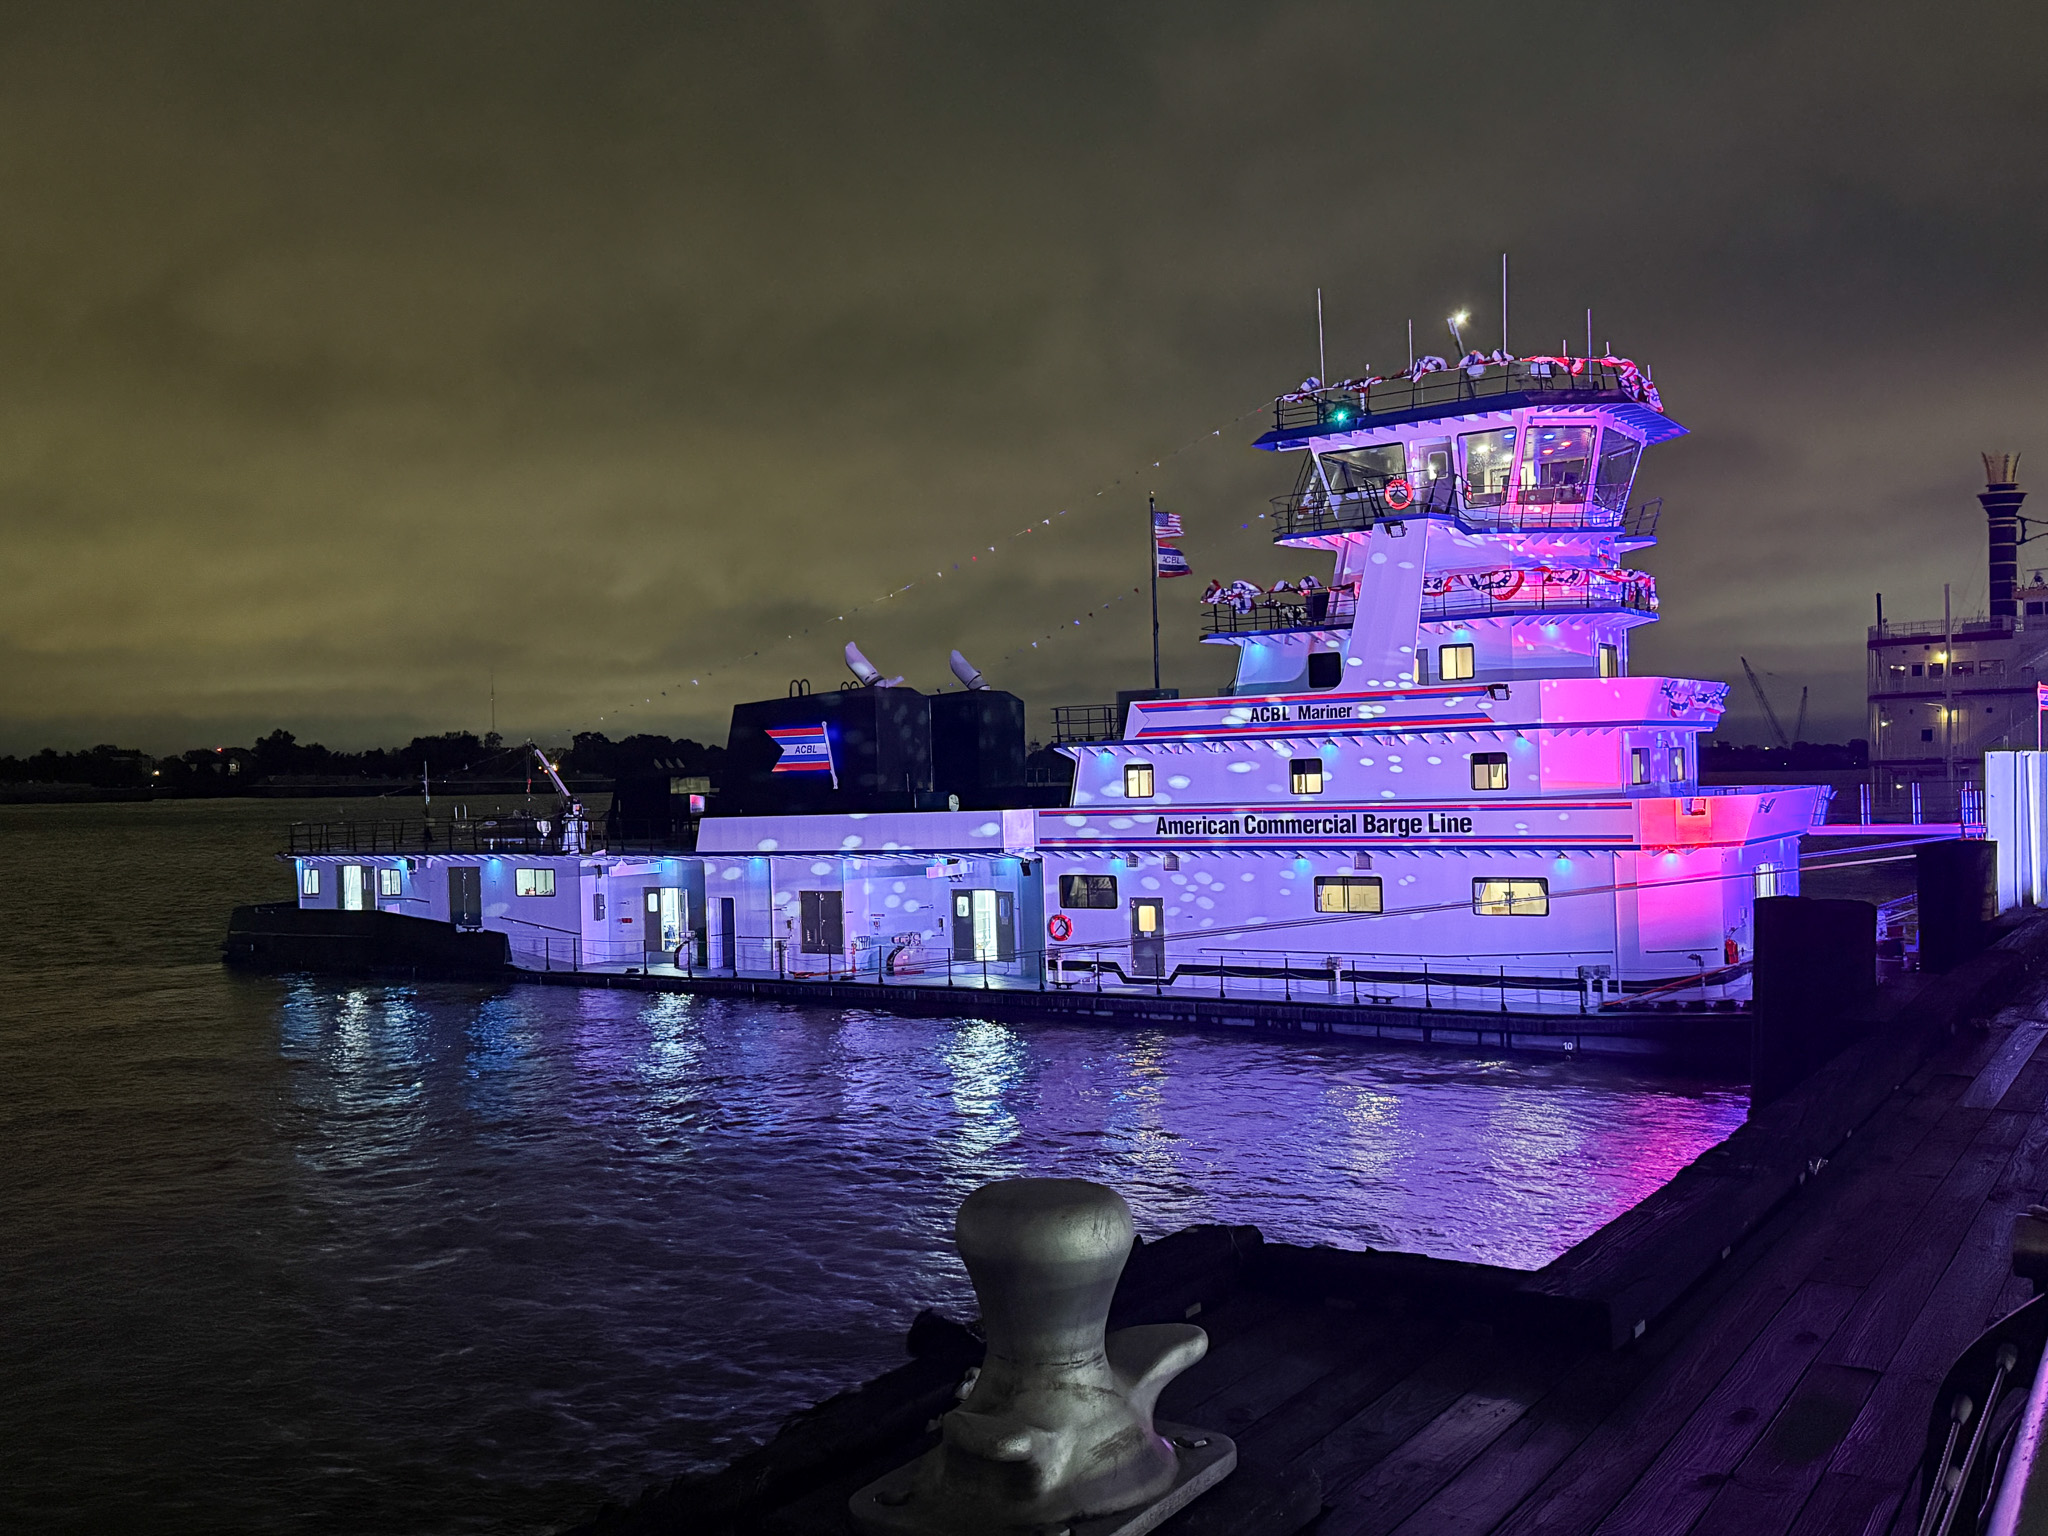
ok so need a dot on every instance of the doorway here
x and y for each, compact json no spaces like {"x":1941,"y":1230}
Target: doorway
{"x":1148,"y":936}
{"x":466,"y":896}
{"x":728,"y":940}
{"x":667,"y":912}
{"x":355,"y":888}
{"x":984,"y":925}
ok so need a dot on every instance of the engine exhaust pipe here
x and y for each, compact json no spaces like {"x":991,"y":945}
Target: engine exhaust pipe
{"x":964,"y":670}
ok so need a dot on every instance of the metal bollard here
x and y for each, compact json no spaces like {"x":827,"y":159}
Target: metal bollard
{"x":1056,"y":1427}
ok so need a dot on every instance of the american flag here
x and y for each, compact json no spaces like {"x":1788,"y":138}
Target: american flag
{"x":1166,"y":525}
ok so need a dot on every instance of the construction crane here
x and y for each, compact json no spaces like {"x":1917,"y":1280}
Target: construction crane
{"x":1770,"y":714}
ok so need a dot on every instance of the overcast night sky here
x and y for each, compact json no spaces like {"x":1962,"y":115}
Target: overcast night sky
{"x":349,"y":354}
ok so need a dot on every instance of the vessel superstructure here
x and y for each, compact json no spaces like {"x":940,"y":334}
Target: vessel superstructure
{"x":1434,"y":776}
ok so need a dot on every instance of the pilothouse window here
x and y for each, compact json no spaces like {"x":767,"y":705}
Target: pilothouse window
{"x":1559,"y":464}
{"x":1618,"y":455}
{"x":1488,"y":459}
{"x":1137,"y":781}
{"x":1356,"y":467}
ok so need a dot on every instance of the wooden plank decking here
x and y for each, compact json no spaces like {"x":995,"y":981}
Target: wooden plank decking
{"x":1789,"y":1392}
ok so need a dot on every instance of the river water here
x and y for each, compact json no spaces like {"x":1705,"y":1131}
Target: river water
{"x":308,"y":1255}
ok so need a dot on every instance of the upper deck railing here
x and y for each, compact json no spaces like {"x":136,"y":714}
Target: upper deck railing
{"x":1357,"y":403}
{"x":1280,"y":615}
{"x":1976,"y":627}
{"x":1085,"y":722}
{"x":1637,"y":595}
{"x":1390,"y":500}
{"x":515,"y":834}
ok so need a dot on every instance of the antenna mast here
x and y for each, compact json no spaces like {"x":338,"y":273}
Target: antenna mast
{"x":1503,"y":301}
{"x":1322,"y":357}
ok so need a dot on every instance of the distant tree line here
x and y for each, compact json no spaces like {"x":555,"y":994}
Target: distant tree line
{"x":281,"y":759}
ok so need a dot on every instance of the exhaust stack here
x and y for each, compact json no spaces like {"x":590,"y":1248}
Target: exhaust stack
{"x":2001,"y":498}
{"x":964,"y":670}
{"x":869,"y":674}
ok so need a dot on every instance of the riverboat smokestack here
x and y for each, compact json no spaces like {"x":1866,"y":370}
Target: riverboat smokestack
{"x":2001,"y":498}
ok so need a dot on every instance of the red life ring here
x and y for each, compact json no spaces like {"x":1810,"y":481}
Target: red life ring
{"x":1059,"y":927}
{"x":1398,"y":494}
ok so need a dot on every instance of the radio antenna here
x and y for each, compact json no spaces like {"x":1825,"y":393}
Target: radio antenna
{"x":1411,"y":346}
{"x":1503,"y":301}
{"x":1322,"y":357}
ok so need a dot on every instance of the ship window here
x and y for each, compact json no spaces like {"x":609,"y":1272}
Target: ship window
{"x":1489,"y":770}
{"x":309,"y":882}
{"x":1348,"y":893}
{"x":388,"y":883}
{"x":1487,"y":459}
{"x":1610,"y":660}
{"x":1365,"y":466}
{"x":1678,"y":763}
{"x":1965,"y":669}
{"x":1325,"y":668}
{"x":1137,"y":781}
{"x":1618,"y":455}
{"x":1934,"y":669}
{"x":1084,"y":891}
{"x":1991,"y":668}
{"x":1927,"y":735}
{"x":1432,"y":459}
{"x":1558,"y":465}
{"x":597,"y":906}
{"x":1306,"y":775}
{"x":534,"y":882}
{"x":1454,"y":663}
{"x":1917,"y":669}
{"x":1639,"y":765}
{"x":1511,"y":898}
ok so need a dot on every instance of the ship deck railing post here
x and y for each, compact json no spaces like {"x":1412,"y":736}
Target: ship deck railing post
{"x":1427,"y":1000}
{"x":1503,"y":989}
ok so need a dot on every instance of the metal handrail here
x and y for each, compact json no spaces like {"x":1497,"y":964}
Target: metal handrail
{"x":1344,"y":409}
{"x":1279,"y":615}
{"x":1586,"y":598}
{"x":1306,"y":514}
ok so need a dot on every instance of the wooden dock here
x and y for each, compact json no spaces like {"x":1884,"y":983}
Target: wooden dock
{"x":1754,"y":1349}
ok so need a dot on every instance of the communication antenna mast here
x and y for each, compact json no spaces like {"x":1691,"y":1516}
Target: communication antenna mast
{"x":1503,"y":301}
{"x":1322,"y":357}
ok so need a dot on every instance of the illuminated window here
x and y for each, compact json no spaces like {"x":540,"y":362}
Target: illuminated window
{"x":1489,"y":770}
{"x":1927,"y":735}
{"x":1511,"y":898}
{"x":1077,"y":891}
{"x":390,"y":883}
{"x":1487,"y":459}
{"x":1348,"y":893}
{"x":309,"y":881}
{"x":534,"y":882}
{"x":1454,"y":663}
{"x":1610,"y":661}
{"x":1618,"y":455}
{"x":1639,"y":765}
{"x":1558,"y":464}
{"x":1137,"y":781}
{"x":1678,"y":763}
{"x":1306,"y":775}
{"x":1770,"y":881}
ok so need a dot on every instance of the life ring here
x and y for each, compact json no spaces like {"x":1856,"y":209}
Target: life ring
{"x":1060,"y":928}
{"x":1398,"y":494}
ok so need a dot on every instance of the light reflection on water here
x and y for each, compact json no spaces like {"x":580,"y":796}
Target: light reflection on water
{"x":339,"y":1257}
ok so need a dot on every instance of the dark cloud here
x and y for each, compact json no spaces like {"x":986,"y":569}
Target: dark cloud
{"x":349,"y":354}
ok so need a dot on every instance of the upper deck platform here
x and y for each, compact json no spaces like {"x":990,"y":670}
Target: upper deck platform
{"x":1476,"y":386}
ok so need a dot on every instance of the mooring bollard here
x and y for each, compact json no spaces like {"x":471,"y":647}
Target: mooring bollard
{"x":1056,"y":1427}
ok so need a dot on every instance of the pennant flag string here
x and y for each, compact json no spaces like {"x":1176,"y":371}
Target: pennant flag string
{"x":977,"y":561}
